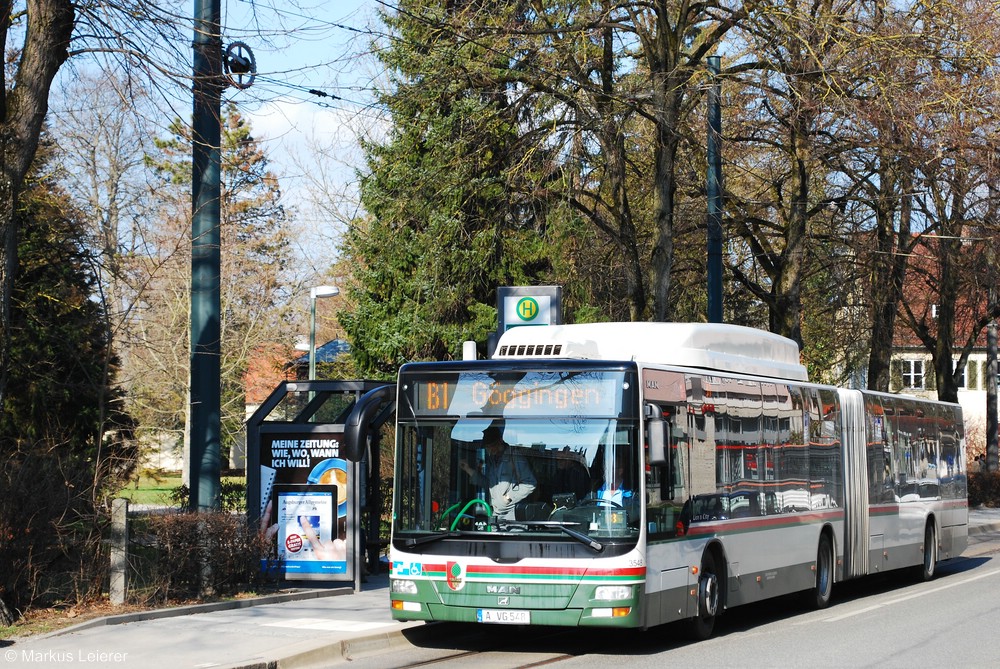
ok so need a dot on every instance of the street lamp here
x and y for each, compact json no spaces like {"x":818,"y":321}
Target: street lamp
{"x":315,"y":294}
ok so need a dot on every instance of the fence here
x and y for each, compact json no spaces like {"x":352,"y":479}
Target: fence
{"x":165,"y":554}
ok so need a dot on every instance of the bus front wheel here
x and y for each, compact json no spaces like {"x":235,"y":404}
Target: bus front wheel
{"x":701,"y":626}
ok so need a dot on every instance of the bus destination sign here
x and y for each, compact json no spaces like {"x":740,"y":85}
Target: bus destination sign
{"x":532,"y":394}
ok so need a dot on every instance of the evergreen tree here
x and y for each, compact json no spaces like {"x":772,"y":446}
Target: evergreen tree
{"x":65,"y":440}
{"x":445,"y":227}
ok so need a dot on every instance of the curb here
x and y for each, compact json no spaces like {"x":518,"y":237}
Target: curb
{"x":351,"y":649}
{"x":229,"y":605}
{"x":984,"y":528}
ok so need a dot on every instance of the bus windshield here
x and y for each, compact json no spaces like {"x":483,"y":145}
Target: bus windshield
{"x":521,"y":452}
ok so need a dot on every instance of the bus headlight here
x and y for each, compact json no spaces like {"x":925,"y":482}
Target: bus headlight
{"x":613,"y":593}
{"x":403,"y":586}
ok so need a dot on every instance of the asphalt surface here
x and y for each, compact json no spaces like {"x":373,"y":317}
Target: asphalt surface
{"x":307,"y":628}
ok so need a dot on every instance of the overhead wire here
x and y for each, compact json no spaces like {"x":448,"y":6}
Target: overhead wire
{"x":312,"y":28}
{"x":322,"y":96}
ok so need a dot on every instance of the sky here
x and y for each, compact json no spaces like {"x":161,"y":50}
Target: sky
{"x":309,"y":138}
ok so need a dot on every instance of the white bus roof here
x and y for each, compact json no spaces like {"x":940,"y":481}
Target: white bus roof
{"x":730,"y":348}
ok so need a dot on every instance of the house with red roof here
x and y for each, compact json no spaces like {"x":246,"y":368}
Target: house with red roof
{"x":912,"y":367}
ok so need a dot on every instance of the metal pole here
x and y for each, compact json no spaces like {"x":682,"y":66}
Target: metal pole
{"x":992,"y":453}
{"x":992,"y":463}
{"x":315,"y":294}
{"x":205,"y":410}
{"x":312,"y":337}
{"x":714,"y":191}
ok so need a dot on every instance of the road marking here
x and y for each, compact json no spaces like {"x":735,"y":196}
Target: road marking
{"x":327,"y":625}
{"x":898,"y":600}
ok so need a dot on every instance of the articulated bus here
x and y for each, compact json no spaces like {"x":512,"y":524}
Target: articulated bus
{"x":658,"y":472}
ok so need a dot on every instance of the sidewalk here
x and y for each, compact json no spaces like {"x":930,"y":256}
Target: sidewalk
{"x":314,"y":627}
{"x":309,"y":628}
{"x":982,"y":520}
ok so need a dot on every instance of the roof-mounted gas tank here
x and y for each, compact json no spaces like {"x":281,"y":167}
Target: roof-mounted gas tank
{"x":716,"y":346}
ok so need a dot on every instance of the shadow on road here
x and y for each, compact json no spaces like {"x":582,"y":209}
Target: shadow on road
{"x":573,"y":642}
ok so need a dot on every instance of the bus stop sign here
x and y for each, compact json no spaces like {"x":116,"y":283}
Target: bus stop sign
{"x":528,"y":305}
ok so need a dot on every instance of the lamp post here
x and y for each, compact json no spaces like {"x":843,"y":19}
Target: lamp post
{"x":314,"y":294}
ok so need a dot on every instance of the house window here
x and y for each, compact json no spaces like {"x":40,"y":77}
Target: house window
{"x":972,"y":380}
{"x":962,"y":380}
{"x":913,"y":374}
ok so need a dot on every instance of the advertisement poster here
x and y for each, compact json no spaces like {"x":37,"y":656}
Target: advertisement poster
{"x":304,"y":501}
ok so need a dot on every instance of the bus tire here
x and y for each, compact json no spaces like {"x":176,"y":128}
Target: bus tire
{"x":701,"y":626}
{"x":927,"y":569}
{"x":822,"y":590}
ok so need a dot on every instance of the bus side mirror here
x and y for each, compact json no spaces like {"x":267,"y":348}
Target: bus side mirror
{"x":657,"y":437}
{"x":357,"y":426}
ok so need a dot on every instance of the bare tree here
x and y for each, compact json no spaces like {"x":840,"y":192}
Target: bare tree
{"x":256,"y":274}
{"x":135,"y":34}
{"x":103,"y":132}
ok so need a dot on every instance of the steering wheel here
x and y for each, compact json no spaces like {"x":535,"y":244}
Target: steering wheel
{"x":461,"y":514}
{"x":597,"y":501}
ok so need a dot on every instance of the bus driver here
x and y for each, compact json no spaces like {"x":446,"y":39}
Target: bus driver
{"x":507,"y":475}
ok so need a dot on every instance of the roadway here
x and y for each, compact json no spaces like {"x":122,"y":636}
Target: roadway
{"x":884,"y":621}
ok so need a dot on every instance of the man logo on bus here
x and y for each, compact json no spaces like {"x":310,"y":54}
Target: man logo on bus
{"x":456,"y":576}
{"x":527,"y":308}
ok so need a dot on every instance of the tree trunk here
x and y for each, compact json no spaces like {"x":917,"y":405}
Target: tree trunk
{"x":668,"y":95}
{"x":888,"y":271}
{"x":25,"y":102}
{"x":8,"y":266}
{"x":786,"y":315}
{"x":627,"y":239}
{"x":612,"y":136}
{"x":949,"y":249}
{"x":6,"y":617}
{"x":786,"y":309}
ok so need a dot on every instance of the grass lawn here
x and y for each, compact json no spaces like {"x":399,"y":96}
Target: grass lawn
{"x":149,"y":490}
{"x":157,"y":490}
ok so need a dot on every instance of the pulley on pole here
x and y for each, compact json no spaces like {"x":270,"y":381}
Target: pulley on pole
{"x":240,"y":64}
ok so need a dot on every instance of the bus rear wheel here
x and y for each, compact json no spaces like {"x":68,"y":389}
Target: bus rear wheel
{"x":819,"y":596}
{"x":702,"y":625}
{"x":928,"y":568}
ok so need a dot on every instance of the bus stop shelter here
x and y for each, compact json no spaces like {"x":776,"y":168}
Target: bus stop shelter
{"x":313,"y":476}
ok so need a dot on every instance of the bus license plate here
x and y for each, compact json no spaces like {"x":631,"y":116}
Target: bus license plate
{"x":503,"y":616}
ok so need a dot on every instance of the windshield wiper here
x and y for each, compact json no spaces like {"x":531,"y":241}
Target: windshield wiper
{"x":579,"y":536}
{"x":582,"y":538}
{"x":430,"y":538}
{"x":448,"y":534}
